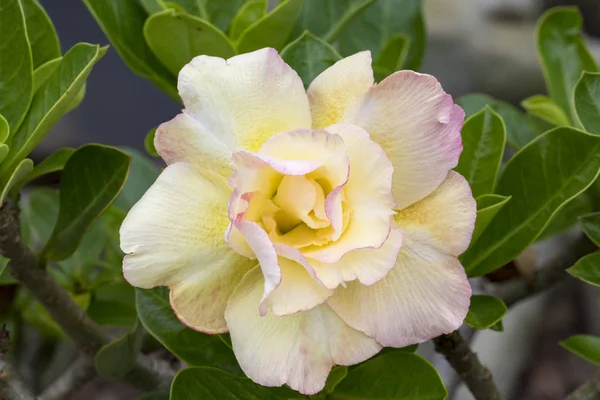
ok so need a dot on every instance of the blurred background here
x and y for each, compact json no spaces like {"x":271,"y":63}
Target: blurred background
{"x":473,"y":46}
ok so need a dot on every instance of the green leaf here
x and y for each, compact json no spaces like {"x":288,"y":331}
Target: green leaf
{"x":193,"y":347}
{"x":566,"y":217}
{"x":328,"y":18}
{"x":3,"y":152}
{"x":483,"y":138}
{"x":3,"y":264}
{"x":309,"y":56}
{"x":90,"y":181}
{"x":41,"y":33}
{"x":587,"y":269}
{"x":563,"y":55}
{"x":142,"y":174}
{"x":488,"y":206}
{"x":175,"y":38}
{"x":219,"y":12}
{"x":39,"y":211}
{"x":584,"y":346}
{"x":520,"y":128}
{"x":418,"y":380}
{"x":11,"y":187}
{"x":485,"y":311}
{"x":116,"y":359}
{"x":113,"y":305}
{"x":52,"y":163}
{"x":154,"y":396}
{"x":4,"y":130}
{"x":211,"y":383}
{"x":77,"y":99}
{"x":149,"y":143}
{"x":16,"y":65}
{"x":392,"y":56}
{"x":52,"y":100}
{"x":541,"y":178}
{"x":587,"y":101}
{"x":272,"y":30}
{"x":498,"y":326}
{"x":336,"y":375}
{"x":372,"y":29}
{"x":152,"y":6}
{"x":591,"y":226}
{"x":546,"y":109}
{"x":43,"y":72}
{"x":251,"y":11}
{"x":123,"y":22}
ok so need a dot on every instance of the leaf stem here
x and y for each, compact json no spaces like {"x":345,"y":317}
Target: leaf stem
{"x":465,"y":362}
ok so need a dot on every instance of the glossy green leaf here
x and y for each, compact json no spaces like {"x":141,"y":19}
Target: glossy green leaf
{"x":77,"y":99}
{"x":328,"y":18}
{"x":211,"y":383}
{"x":251,"y":11}
{"x":142,"y":174}
{"x":149,"y":143}
{"x":336,"y":375}
{"x":220,"y":12}
{"x":373,"y":27}
{"x":175,"y":38}
{"x":587,"y":269}
{"x":16,"y":65}
{"x":498,"y":326}
{"x":90,"y":182}
{"x":52,"y":100}
{"x":309,"y":56}
{"x":41,"y":33}
{"x":520,"y":128}
{"x":193,"y":347}
{"x":123,"y":22}
{"x":113,"y":304}
{"x":43,"y":72}
{"x":563,"y":55}
{"x":392,"y":56}
{"x":23,"y":169}
{"x":567,"y":216}
{"x":541,"y":178}
{"x":584,"y":346}
{"x":483,"y":138}
{"x":3,"y":152}
{"x":546,"y":109}
{"x":587,"y":101}
{"x":485,"y":311}
{"x":591,"y":226}
{"x":52,"y":163}
{"x":39,"y":211}
{"x":262,"y":33}
{"x":193,"y":7}
{"x":418,"y":380}
{"x":152,"y":6}
{"x":4,"y":130}
{"x":488,"y":206}
{"x":116,"y":359}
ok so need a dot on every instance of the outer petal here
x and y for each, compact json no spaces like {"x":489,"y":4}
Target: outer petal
{"x":246,"y":99}
{"x":299,"y":349}
{"x":425,"y":295}
{"x":174,"y":237}
{"x":418,"y":125}
{"x":339,"y":88}
{"x":366,"y":265}
{"x":446,"y":217}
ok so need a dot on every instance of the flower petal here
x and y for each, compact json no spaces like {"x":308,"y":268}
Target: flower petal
{"x":367,"y":265}
{"x":339,"y":87}
{"x":174,"y":237}
{"x":299,"y":349}
{"x":425,"y":295}
{"x":418,"y":125}
{"x":446,"y":217}
{"x":246,"y":99}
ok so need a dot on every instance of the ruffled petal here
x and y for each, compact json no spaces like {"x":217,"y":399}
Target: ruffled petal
{"x":244,"y":100}
{"x":174,"y":237}
{"x":298,"y":350}
{"x":418,"y":125}
{"x":339,"y":88}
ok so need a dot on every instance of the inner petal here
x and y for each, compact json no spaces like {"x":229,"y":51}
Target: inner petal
{"x":298,"y":195}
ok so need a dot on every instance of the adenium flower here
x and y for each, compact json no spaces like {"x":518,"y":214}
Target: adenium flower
{"x":314,"y":226}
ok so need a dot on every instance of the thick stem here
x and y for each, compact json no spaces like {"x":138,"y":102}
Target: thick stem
{"x":590,"y":390}
{"x":77,"y":375}
{"x":476,"y":376}
{"x":12,"y":386}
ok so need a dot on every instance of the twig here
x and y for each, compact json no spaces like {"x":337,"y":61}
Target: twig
{"x":77,"y":375}
{"x":547,"y":275}
{"x":590,"y":390}
{"x":476,"y":376}
{"x":87,"y":335}
{"x":12,"y":386}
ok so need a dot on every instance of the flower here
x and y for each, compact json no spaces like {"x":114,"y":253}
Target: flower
{"x":315,"y":226}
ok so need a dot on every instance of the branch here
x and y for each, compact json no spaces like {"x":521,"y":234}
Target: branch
{"x":547,"y":275}
{"x":12,"y":386}
{"x":77,"y":375}
{"x":588,"y":391}
{"x":87,"y":335}
{"x":476,"y":376}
